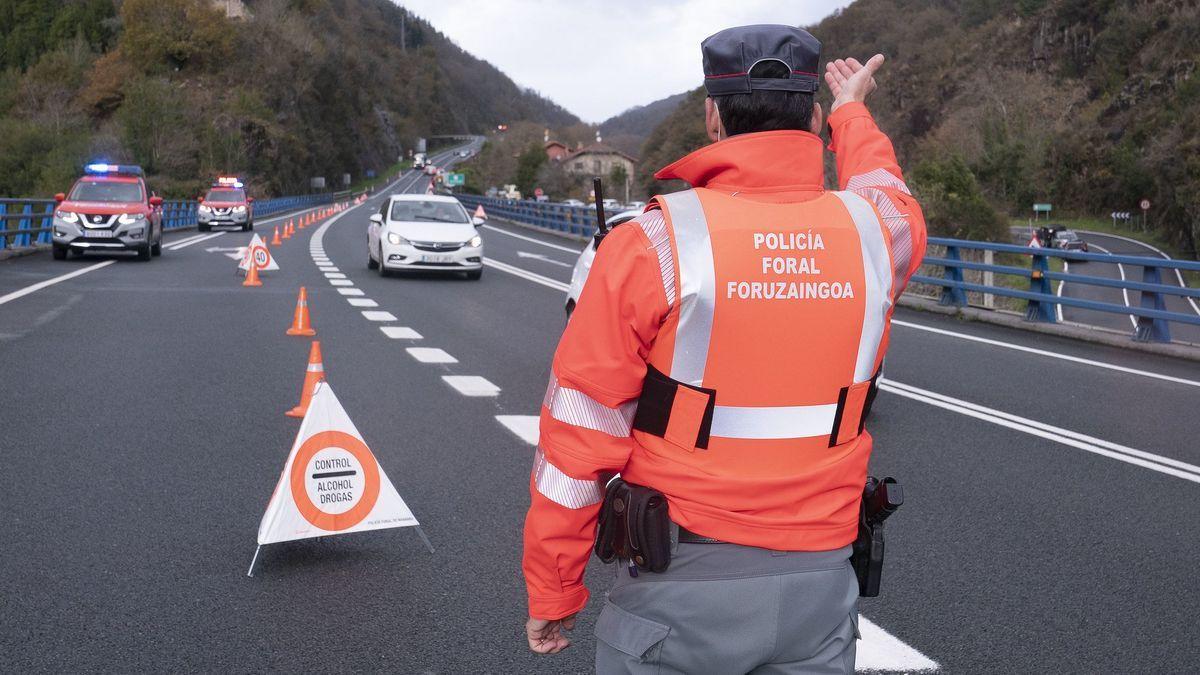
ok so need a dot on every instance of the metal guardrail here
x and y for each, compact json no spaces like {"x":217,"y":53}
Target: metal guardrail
{"x":27,"y":222}
{"x":1153,"y":318}
{"x":578,"y":220}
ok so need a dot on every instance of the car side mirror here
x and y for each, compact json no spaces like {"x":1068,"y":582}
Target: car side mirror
{"x":477,"y":221}
{"x":60,"y":198}
{"x":199,"y":200}
{"x":249,"y":200}
{"x":376,"y":218}
{"x":156,"y":201}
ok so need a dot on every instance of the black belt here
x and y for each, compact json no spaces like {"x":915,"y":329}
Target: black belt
{"x":686,"y":536}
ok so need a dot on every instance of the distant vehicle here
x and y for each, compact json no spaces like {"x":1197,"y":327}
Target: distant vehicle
{"x":464,"y":153}
{"x":430,"y":170}
{"x":572,"y":202}
{"x":583,"y":265}
{"x":611,"y":205}
{"x":424,"y":232}
{"x":108,"y":209}
{"x":510,"y":192}
{"x":226,"y":205}
{"x":419,"y":160}
{"x":1068,"y":240}
{"x":638,"y":205}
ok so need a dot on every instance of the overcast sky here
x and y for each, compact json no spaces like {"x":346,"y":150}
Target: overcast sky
{"x":597,"y":59}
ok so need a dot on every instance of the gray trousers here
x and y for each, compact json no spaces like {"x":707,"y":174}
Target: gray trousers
{"x":722,"y":608}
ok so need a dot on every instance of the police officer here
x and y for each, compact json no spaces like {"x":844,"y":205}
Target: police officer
{"x":756,"y":307}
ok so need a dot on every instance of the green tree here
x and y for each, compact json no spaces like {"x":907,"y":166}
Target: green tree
{"x":147,"y":117}
{"x":952,"y":202}
{"x":175,"y":34}
{"x":528,"y":164}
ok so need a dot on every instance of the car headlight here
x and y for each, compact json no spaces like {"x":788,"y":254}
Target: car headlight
{"x":475,"y":242}
{"x":131,"y":218}
{"x":239,"y":209}
{"x":396,"y":239}
{"x":68,"y":217}
{"x":204,"y":209}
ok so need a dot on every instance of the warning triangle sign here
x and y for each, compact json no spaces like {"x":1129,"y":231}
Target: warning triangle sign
{"x":258,"y":249}
{"x":480,"y":213}
{"x":331,"y":483}
{"x":1035,"y":242}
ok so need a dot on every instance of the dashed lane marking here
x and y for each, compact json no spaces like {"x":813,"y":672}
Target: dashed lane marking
{"x":524,"y":426}
{"x":378,"y":316}
{"x":430,"y":355}
{"x":328,"y":268}
{"x":33,"y":288}
{"x":362,"y":302}
{"x":341,"y":282}
{"x":350,"y":291}
{"x":400,"y":332}
{"x":557,"y":247}
{"x":1043,"y":352}
{"x":335,"y":275}
{"x":471,"y":385}
{"x":1098,"y":446}
{"x":527,"y":275}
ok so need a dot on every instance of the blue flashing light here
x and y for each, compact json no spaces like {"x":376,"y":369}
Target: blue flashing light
{"x":102,"y":169}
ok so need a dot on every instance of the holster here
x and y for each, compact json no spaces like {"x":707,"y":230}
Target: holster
{"x":867,"y":558}
{"x":634,"y":525}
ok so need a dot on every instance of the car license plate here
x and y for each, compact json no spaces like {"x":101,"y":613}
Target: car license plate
{"x":98,"y":233}
{"x":435,"y":258}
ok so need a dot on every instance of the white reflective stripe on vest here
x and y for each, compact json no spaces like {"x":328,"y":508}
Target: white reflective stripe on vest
{"x":697,"y":285}
{"x":578,"y":409}
{"x":877,"y":272}
{"x":560,"y":488}
{"x":797,"y":421}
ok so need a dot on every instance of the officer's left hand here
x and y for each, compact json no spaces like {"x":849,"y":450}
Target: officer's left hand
{"x":546,"y":637}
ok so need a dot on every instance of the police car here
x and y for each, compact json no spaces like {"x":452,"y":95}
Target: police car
{"x":583,"y":265}
{"x":226,"y":205}
{"x":108,"y":209}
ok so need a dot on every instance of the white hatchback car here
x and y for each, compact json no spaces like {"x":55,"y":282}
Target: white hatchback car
{"x":424,"y":232}
{"x":583,"y":265}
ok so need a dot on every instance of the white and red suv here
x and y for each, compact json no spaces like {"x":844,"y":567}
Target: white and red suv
{"x":108,"y":209}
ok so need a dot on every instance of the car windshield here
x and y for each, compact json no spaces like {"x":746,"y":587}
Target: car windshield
{"x":226,"y":196}
{"x":1069,"y":236}
{"x":428,"y":211}
{"x":106,"y":191}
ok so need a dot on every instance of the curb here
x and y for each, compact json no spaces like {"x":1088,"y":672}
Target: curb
{"x":1093,"y":334}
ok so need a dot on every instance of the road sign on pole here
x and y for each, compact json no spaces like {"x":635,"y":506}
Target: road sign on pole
{"x":454,"y":179}
{"x":1041,"y":208}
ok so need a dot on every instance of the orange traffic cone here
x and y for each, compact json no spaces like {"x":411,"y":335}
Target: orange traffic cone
{"x":314,"y":374}
{"x":252,"y":274}
{"x":276,"y":241}
{"x":300,"y":323}
{"x":287,"y":234}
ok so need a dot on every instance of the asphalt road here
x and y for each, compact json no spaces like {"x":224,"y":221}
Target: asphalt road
{"x":1050,"y":483}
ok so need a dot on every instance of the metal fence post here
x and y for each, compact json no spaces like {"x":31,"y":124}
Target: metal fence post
{"x":3,"y":226}
{"x":1038,"y":310}
{"x":1152,"y":330}
{"x":48,"y":223}
{"x":25,"y":224}
{"x":953,"y":295}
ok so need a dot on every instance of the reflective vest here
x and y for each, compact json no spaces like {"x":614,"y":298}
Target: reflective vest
{"x":782,"y":314}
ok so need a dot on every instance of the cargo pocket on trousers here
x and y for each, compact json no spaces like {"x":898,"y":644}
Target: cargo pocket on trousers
{"x":630,"y":634}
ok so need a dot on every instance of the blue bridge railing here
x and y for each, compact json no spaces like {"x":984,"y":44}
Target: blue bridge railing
{"x":1041,"y":303}
{"x":27,"y":222}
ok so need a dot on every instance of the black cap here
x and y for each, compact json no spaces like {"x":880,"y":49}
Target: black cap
{"x":731,"y":54}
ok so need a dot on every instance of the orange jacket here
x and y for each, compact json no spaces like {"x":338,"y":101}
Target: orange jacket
{"x":782,"y":493}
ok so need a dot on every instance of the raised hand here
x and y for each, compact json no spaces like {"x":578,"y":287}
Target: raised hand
{"x":850,"y":80}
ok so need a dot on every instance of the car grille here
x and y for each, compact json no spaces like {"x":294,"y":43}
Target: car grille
{"x":100,"y":220}
{"x":436,"y":246}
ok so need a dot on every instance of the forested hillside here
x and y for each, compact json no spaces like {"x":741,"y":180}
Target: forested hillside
{"x":1089,"y":105}
{"x":628,"y":131}
{"x":297,"y":88}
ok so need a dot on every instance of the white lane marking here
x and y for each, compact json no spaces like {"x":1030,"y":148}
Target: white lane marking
{"x":557,"y":247}
{"x":430,"y":355}
{"x":1178,"y":274}
{"x":334,"y":275}
{"x":1058,"y":307}
{"x":471,"y":385}
{"x":350,"y":291}
{"x":184,"y":240}
{"x":378,"y":316}
{"x":880,"y":651}
{"x":527,"y":275}
{"x":341,"y":282}
{"x":176,"y":247}
{"x":362,"y":302}
{"x":1098,"y":446}
{"x":1043,"y":352}
{"x":524,"y":426}
{"x":1124,"y":291}
{"x":400,"y":332}
{"x":33,"y":288}
{"x":327,"y":268}
{"x":543,"y":258}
